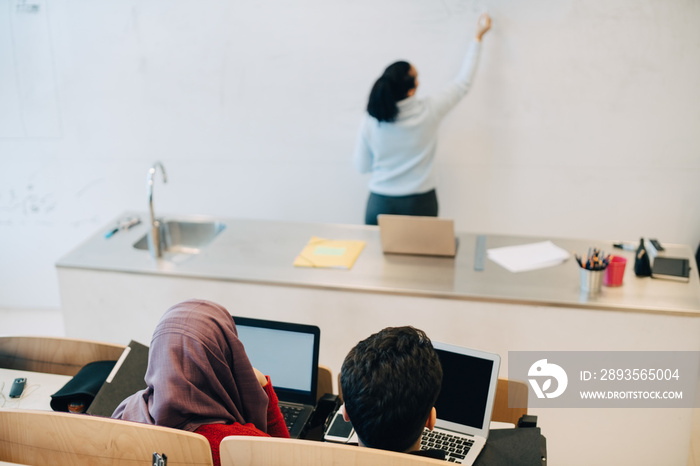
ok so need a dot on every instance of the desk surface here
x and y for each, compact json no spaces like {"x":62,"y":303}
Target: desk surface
{"x":37,"y":391}
{"x":262,"y":252}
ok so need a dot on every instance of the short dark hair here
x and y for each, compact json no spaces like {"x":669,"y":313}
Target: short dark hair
{"x":393,"y":85}
{"x":390,"y":382}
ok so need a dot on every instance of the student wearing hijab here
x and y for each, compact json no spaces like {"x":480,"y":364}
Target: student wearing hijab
{"x":398,"y":136}
{"x":199,"y":379}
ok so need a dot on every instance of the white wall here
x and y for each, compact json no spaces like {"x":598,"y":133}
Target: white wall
{"x":584,"y":120}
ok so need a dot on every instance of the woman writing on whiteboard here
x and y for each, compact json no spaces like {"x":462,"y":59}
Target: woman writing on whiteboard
{"x":398,"y":136}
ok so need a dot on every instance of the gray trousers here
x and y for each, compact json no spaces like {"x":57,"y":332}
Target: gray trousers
{"x":424,"y":204}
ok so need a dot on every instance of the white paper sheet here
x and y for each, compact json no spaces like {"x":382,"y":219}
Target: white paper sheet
{"x":528,"y":256}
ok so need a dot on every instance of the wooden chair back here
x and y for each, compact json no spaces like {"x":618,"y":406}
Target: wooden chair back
{"x":270,"y":451}
{"x":46,"y":437}
{"x":54,"y":355}
{"x":517,"y":392}
{"x":66,"y":356}
{"x":325,"y":381}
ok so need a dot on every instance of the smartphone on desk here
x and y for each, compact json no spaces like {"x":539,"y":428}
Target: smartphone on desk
{"x":17,"y":387}
{"x":339,"y":430}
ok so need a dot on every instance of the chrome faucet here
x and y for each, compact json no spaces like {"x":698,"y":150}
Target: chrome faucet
{"x":154,"y":246}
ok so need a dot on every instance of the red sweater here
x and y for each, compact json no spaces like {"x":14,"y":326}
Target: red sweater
{"x":276,"y":427}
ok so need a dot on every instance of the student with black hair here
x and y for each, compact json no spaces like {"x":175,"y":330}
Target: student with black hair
{"x":398,"y":136}
{"x":390,"y":382}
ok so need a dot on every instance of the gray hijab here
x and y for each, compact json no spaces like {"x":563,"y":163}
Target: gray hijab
{"x":198,"y":373}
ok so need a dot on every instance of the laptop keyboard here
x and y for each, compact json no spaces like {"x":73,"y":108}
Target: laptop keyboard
{"x":290,"y":414}
{"x":456,"y":447}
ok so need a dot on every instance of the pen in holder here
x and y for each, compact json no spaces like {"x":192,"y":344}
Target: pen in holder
{"x":591,"y":269}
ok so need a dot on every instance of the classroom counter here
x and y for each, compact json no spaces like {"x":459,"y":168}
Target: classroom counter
{"x":115,"y":293}
{"x":262,"y":252}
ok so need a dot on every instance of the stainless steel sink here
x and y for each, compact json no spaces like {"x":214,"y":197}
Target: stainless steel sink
{"x":184,"y":236}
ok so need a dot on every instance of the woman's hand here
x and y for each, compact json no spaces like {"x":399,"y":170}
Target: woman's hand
{"x":261,"y":377}
{"x":483,"y":25}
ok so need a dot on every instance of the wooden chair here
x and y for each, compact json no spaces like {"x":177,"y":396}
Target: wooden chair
{"x":271,"y":451}
{"x":45,"y":437}
{"x":54,"y":355}
{"x":518,"y":392}
{"x":325,"y":381}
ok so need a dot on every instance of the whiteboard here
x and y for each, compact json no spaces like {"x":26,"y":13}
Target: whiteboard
{"x":582,"y":122}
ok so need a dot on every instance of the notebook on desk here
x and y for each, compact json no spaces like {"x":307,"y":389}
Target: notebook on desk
{"x":465,"y":403}
{"x":127,"y":377}
{"x":288,"y":353}
{"x":406,"y":234}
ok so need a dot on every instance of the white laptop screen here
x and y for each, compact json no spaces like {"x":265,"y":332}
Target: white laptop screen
{"x":288,"y":355}
{"x":277,"y":353}
{"x":466,"y":396}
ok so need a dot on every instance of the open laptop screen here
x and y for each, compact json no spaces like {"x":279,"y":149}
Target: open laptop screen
{"x":287,"y":352}
{"x":464,"y":396}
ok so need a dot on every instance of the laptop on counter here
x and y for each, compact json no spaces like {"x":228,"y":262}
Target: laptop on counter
{"x":407,"y":234}
{"x":288,"y":353}
{"x":465,"y":403}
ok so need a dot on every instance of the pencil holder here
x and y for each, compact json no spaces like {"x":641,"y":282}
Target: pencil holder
{"x":591,"y":280}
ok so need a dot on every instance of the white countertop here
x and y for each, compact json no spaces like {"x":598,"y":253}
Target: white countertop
{"x":262,"y":252}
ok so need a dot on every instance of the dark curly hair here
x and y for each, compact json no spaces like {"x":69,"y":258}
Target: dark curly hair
{"x":390,"y":383}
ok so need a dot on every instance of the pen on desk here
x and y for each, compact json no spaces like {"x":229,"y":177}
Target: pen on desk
{"x":625,"y":246}
{"x":130,"y":222}
{"x":125,"y":224}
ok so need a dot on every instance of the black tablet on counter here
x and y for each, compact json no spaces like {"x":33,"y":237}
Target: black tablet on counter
{"x":671,"y":268}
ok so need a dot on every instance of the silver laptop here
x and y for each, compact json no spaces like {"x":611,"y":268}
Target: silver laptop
{"x":288,"y":353}
{"x":465,"y":403}
{"x":406,"y":234}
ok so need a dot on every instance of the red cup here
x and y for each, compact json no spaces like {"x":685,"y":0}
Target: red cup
{"x":615,"y":271}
